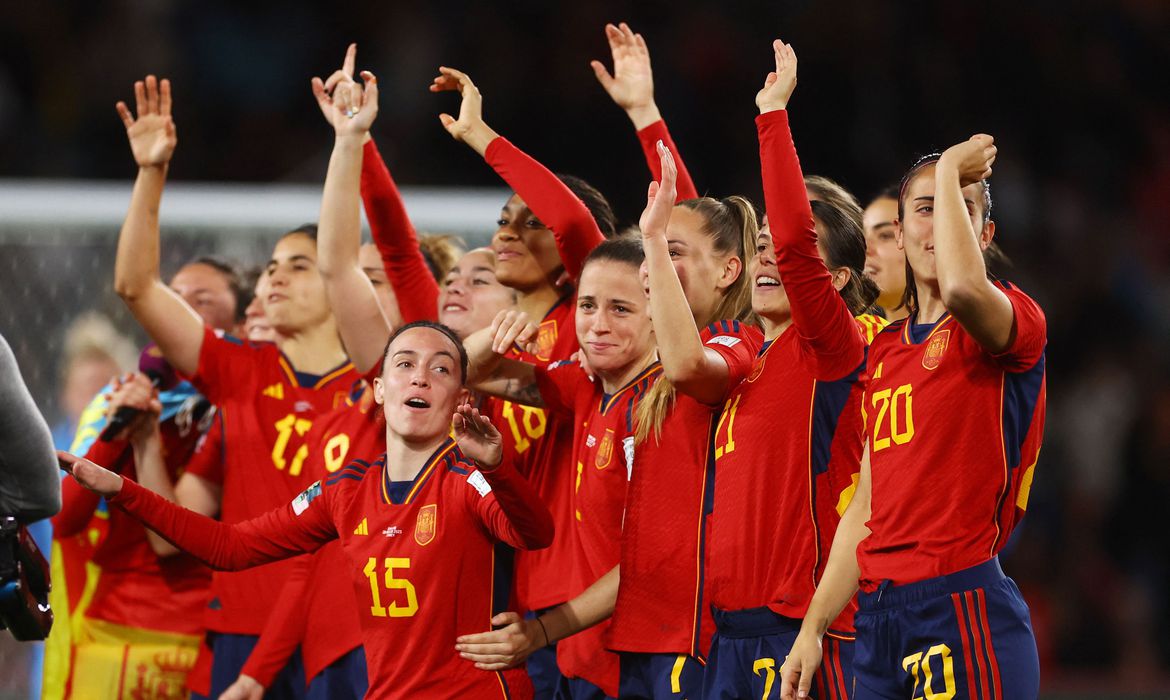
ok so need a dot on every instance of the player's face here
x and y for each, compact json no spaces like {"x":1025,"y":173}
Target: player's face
{"x":526,"y":251}
{"x":371,"y":264}
{"x":207,"y":290}
{"x":613,"y":319}
{"x":420,"y":385}
{"x":769,"y":299}
{"x":701,"y":269}
{"x":885,"y":263}
{"x":256,"y":326}
{"x":916,"y":230}
{"x":471,"y":295}
{"x":295,"y":297}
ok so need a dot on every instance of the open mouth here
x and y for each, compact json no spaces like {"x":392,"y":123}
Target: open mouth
{"x":416,"y":402}
{"x":763,"y":281}
{"x":454,"y":307}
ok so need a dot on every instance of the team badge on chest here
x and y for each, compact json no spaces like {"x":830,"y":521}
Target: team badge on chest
{"x":426,"y":524}
{"x":546,"y":338}
{"x":604,"y":450}
{"x":935,"y":348}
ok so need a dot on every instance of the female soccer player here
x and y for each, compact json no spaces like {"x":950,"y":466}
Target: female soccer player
{"x":420,"y":525}
{"x":695,"y":274}
{"x":617,"y":340}
{"x":885,"y":263}
{"x":945,"y":482}
{"x":268,"y":394}
{"x":789,"y":440}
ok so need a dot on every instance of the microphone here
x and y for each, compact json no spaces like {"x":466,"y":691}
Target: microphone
{"x":151,"y":363}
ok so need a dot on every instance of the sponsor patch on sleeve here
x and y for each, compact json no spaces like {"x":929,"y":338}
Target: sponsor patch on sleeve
{"x":724,"y":340}
{"x":301,"y":503}
{"x":479,"y":483}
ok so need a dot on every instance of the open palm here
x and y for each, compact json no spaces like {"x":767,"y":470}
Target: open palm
{"x":152,"y":135}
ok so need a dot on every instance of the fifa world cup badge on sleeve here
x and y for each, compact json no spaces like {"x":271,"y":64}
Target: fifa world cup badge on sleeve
{"x":424,"y":526}
{"x":301,"y":502}
{"x":935,"y":349}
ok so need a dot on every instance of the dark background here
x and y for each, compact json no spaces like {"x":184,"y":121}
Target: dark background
{"x":1075,"y":94}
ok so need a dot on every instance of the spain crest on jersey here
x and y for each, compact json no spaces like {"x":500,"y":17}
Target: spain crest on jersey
{"x":546,"y":338}
{"x":935,"y":348}
{"x":604,"y":450}
{"x":425,"y":524}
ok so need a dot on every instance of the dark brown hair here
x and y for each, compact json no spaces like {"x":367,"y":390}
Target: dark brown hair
{"x":843,"y":244}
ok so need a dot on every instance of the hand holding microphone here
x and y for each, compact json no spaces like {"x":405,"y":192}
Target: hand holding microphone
{"x":158,"y":375}
{"x":134,"y":407}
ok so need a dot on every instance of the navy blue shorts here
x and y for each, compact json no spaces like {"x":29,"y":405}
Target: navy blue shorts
{"x":660,"y":676}
{"x":964,"y":635}
{"x":749,"y":648}
{"x":230,"y":651}
{"x":542,"y":667}
{"x":579,"y":689}
{"x":344,"y":679}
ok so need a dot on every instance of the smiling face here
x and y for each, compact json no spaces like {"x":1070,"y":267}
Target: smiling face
{"x":705,"y":273}
{"x":471,"y":295}
{"x":915,"y":231}
{"x":526,"y":251}
{"x":769,"y":299}
{"x":295,"y":295}
{"x":208,"y":291}
{"x":421,"y":385}
{"x":613,"y":319}
{"x":885,"y":263}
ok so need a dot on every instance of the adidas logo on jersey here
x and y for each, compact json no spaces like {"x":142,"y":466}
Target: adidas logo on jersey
{"x":363,"y":528}
{"x":276,"y":391}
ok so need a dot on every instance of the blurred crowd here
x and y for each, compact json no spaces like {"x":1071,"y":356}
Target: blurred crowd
{"x":1068,"y":90}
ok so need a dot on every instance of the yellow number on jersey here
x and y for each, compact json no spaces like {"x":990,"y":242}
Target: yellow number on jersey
{"x":917,"y":661}
{"x":336,"y":448}
{"x":285,"y":427}
{"x":394,"y":610}
{"x":529,"y":426}
{"x":898,"y":406}
{"x":728,"y":415}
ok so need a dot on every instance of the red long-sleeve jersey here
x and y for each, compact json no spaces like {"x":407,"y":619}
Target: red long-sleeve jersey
{"x":393,"y":233}
{"x":790,"y":436}
{"x":425,"y":569}
{"x":954,"y":434}
{"x":319,"y":586}
{"x":649,"y":137}
{"x":664,"y":537}
{"x":602,"y":458}
{"x":267,"y":410}
{"x":136,"y":587}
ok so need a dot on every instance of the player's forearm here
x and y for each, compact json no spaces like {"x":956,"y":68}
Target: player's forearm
{"x":593,"y":606}
{"x":152,"y":475}
{"x":136,"y":265}
{"x":838,"y":584}
{"x":526,"y":521}
{"x":340,"y":221}
{"x":648,"y":136}
{"x":285,"y":629}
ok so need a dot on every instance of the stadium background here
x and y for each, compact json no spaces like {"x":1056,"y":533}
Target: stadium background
{"x":1081,"y":188}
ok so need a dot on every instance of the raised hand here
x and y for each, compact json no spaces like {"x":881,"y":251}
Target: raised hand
{"x":505,"y":647}
{"x":631,"y":86}
{"x":972,"y":158}
{"x":136,"y":392}
{"x":323,"y":89}
{"x":97,"y":479}
{"x":470,"y":127}
{"x":152,"y":135}
{"x":780,"y":83}
{"x":355,"y":107}
{"x":659,"y":198}
{"x":511,"y":327}
{"x":477,"y":437}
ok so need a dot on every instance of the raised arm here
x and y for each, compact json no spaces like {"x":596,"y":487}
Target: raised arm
{"x":694,"y":369}
{"x":556,"y":206}
{"x":631,"y":87}
{"x":819,"y":314}
{"x":278,"y":534}
{"x":836,"y":588}
{"x":364,"y":329}
{"x":977,"y":304}
{"x":169,"y":321}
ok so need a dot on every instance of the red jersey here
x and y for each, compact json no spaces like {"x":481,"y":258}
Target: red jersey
{"x":540,"y":445}
{"x":319,"y":588}
{"x":414,"y":285}
{"x":954,"y":435}
{"x":267,"y":412}
{"x":649,"y":137}
{"x":790,"y":436}
{"x":664,"y":537}
{"x":136,"y":587}
{"x":603,"y":453}
{"x":426,"y":567}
